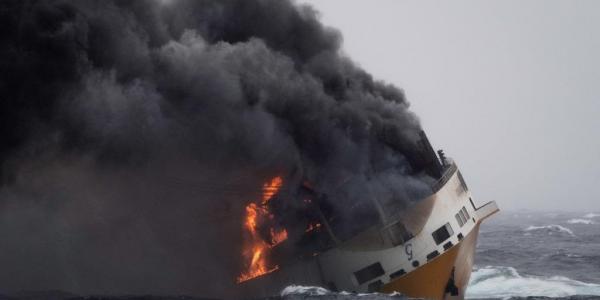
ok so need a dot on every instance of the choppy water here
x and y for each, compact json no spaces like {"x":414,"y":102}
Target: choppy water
{"x":537,"y":254}
{"x":519,"y":256}
{"x":524,"y":256}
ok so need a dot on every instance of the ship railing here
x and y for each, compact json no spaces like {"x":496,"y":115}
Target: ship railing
{"x":448,"y":172}
{"x":486,"y":210}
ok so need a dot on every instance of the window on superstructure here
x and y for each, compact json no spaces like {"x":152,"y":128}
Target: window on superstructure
{"x":465,"y":212}
{"x":459,"y":220}
{"x":399,"y":234}
{"x":397,"y":274}
{"x":442,"y":233}
{"x":432,"y":255}
{"x":462,"y":216}
{"x":448,"y":245}
{"x":368,"y":273}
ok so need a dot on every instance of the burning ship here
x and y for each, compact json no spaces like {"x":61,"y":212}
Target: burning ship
{"x":423,"y":250}
{"x":133,"y":98}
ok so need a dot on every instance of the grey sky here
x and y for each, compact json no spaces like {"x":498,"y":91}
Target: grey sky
{"x":509,"y":89}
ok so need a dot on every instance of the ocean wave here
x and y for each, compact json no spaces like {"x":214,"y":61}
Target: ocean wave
{"x":551,"y":229}
{"x":309,"y":292}
{"x":506,"y":282}
{"x":591,"y":215}
{"x":304,"y":290}
{"x":581,"y":221}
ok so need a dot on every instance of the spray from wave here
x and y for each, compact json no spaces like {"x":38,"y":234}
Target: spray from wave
{"x":581,"y":221}
{"x":550,"y":230}
{"x":315,"y":292}
{"x":591,"y":215}
{"x":505,"y":282}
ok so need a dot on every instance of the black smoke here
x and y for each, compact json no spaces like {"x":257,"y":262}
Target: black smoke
{"x":134,"y":132}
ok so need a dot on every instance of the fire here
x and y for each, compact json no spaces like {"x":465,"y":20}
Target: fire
{"x":271,"y":188}
{"x":278,"y":237}
{"x":255,"y":248}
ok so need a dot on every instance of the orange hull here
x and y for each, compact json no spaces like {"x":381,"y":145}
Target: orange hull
{"x":444,"y":277}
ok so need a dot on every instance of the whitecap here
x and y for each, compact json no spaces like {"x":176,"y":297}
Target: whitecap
{"x":305,"y":290}
{"x":319,"y":291}
{"x":551,"y":229}
{"x":574,"y":255}
{"x":591,"y":215}
{"x":506,"y":282}
{"x":581,"y":221}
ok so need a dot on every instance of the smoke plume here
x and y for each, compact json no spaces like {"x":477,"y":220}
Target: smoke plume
{"x":134,"y":132}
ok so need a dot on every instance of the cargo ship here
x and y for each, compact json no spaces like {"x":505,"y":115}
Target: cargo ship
{"x":423,"y":250}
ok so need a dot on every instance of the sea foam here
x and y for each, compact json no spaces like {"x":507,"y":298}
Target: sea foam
{"x":581,"y":221}
{"x":305,"y":290}
{"x":506,"y":282}
{"x":591,"y":215}
{"x":316,"y":292}
{"x":491,"y":282}
{"x":551,"y":229}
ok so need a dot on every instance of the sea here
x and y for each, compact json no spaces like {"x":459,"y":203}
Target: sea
{"x":527,"y":253}
{"x":522,"y":255}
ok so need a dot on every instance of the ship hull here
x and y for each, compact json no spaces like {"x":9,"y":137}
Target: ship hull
{"x":434,"y":263}
{"x":445,"y":277}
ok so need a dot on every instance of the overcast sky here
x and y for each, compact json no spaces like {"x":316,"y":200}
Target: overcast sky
{"x":509,"y":89}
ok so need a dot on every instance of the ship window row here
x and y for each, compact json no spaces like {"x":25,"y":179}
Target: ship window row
{"x":462,"y":216}
{"x":440,"y":235}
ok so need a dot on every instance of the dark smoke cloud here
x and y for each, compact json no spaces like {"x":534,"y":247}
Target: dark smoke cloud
{"x":134,"y":132}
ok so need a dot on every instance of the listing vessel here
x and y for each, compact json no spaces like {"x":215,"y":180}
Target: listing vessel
{"x":423,"y":250}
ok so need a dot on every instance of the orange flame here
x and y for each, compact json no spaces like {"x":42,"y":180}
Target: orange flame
{"x":271,"y":188}
{"x":255,"y":248}
{"x":312,"y":227}
{"x":278,"y":237}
